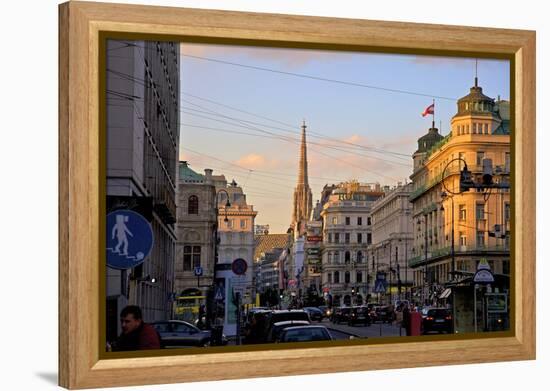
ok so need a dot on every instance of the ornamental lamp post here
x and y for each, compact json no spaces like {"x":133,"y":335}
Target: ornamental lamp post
{"x":212,"y":306}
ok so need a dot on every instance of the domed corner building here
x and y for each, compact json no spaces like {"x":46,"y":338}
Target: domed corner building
{"x":480,"y":130}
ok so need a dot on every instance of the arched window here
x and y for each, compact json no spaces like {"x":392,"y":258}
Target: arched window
{"x":193,"y":205}
{"x":347,"y":257}
{"x":347,"y":278}
{"x":359,"y":257}
{"x":336,"y":277}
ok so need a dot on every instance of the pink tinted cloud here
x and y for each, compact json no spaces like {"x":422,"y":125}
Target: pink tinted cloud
{"x":289,"y":58}
{"x":256,"y":161}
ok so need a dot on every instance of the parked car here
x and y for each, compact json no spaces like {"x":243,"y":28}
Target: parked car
{"x":437,"y":319}
{"x":254,"y":330}
{"x":359,"y":315}
{"x":305,"y":334}
{"x":341,"y":314}
{"x":178,"y":333}
{"x":278,"y":328}
{"x":281,"y":316}
{"x":314,"y":313}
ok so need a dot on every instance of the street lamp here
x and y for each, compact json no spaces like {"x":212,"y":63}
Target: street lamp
{"x":211,"y":306}
{"x":445,"y":196}
{"x":425,"y":256}
{"x":406,"y":270}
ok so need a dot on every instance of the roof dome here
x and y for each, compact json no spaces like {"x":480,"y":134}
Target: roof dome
{"x":475,"y":102}
{"x":429,"y":140}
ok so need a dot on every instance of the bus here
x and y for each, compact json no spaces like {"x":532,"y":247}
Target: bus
{"x":187,"y":307}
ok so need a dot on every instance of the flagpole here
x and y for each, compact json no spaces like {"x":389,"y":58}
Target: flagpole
{"x":433,"y":114}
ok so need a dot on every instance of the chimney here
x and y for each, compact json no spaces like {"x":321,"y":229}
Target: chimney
{"x":208,"y":176}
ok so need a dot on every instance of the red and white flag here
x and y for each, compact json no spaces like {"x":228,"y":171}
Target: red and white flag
{"x":429,"y":110}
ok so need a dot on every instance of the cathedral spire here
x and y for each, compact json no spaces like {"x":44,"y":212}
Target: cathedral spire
{"x":302,"y":170}
{"x":302,"y":193}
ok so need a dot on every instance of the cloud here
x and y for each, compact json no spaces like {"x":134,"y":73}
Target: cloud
{"x":256,"y":161}
{"x":284,"y":57}
{"x":349,"y":166}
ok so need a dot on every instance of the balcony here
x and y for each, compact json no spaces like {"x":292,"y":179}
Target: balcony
{"x":453,"y":170}
{"x":437,"y":254}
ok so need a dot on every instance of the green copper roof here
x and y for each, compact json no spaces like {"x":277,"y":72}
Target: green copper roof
{"x":426,"y":142}
{"x":188,"y":175}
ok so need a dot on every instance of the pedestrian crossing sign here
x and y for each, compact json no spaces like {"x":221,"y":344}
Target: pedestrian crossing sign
{"x":380,"y":286}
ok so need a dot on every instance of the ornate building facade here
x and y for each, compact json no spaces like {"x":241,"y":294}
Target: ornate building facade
{"x":195,"y":230}
{"x":347,"y":234}
{"x":236,"y":242}
{"x":392,"y":239}
{"x":454,"y":229}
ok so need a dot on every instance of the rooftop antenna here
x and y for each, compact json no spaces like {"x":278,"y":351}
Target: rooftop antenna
{"x":476,"y":74}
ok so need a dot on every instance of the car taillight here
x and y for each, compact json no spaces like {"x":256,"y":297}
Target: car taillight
{"x":429,"y":318}
{"x":448,"y":317}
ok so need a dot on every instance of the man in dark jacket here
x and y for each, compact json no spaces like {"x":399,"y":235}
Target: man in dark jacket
{"x":136,"y":334}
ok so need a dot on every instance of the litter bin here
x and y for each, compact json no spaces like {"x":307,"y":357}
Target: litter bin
{"x":216,"y":336}
{"x":415,"y":323}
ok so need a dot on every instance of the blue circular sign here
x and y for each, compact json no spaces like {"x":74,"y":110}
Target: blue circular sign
{"x":198,"y":271}
{"x":129,"y":239}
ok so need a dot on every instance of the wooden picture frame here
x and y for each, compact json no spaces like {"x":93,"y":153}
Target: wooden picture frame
{"x":82,"y":365}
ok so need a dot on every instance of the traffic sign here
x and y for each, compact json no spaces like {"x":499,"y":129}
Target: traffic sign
{"x":484,"y":276}
{"x":129,"y":239}
{"x":381,"y":276}
{"x":198,"y":271}
{"x":483,"y":264}
{"x":219,"y":293}
{"x":380,"y":286}
{"x":239,"y":266}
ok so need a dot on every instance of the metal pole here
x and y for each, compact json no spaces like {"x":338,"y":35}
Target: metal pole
{"x":452,"y":237}
{"x":453,"y":271}
{"x":238,"y":299}
{"x":398,"y":271}
{"x":475,"y":308}
{"x":425,"y":257}
{"x":406,"y":271}
{"x":391,"y":278}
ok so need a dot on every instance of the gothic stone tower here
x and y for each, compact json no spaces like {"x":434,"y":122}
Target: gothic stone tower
{"x":302,"y":193}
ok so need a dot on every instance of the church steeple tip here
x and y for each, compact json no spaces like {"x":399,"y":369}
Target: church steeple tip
{"x":302,"y":193}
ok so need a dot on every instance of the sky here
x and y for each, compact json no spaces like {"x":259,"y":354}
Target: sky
{"x":241,"y":111}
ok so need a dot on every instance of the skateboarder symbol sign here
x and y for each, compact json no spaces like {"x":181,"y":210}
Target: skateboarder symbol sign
{"x":129,"y":239}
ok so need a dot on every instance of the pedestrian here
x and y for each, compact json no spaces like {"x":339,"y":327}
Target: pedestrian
{"x":407,"y":320}
{"x":136,"y":334}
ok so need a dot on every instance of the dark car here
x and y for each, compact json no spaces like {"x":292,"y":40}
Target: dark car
{"x":305,"y":334}
{"x":383,"y":314}
{"x":437,"y":319}
{"x":341,"y":314}
{"x":280,"y":316}
{"x":178,"y":333}
{"x":254,"y":330}
{"x":315,"y":314}
{"x":359,"y":315}
{"x":277,"y":328}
